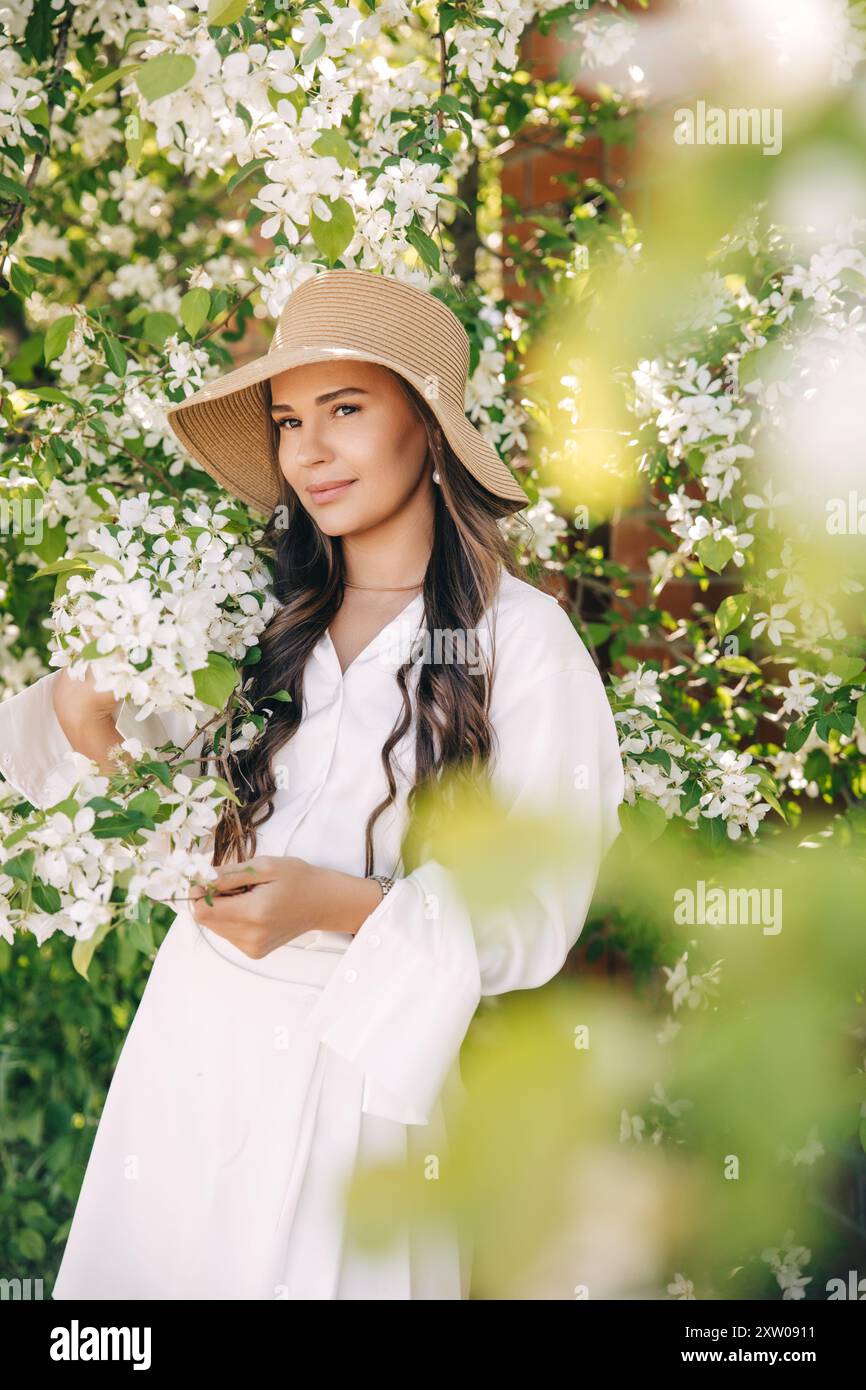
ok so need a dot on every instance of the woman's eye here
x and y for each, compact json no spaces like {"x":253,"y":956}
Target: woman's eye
{"x":292,"y":420}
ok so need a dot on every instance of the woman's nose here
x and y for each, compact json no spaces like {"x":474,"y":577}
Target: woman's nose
{"x":311,"y":443}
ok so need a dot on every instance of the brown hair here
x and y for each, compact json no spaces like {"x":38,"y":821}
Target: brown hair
{"x":453,"y":730}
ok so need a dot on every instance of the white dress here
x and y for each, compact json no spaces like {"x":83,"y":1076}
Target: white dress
{"x":247,"y":1092}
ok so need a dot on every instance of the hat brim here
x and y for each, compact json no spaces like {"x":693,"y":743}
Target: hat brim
{"x":226,"y":427}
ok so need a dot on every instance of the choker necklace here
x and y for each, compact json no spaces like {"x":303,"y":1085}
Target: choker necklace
{"x":382,"y":589}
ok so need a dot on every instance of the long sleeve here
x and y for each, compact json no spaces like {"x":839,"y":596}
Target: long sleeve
{"x":408,"y":986}
{"x":36,"y":757}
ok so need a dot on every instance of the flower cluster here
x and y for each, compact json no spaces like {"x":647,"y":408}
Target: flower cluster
{"x":103,"y":855}
{"x":167,"y":587}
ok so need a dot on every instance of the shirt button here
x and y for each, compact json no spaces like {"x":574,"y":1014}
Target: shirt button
{"x":309,"y":1000}
{"x":374,"y":939}
{"x":351,"y":975}
{"x":7,"y":758}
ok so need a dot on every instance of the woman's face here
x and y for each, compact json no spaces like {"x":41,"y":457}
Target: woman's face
{"x":351,"y":446}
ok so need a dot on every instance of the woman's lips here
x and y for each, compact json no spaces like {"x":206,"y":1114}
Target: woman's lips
{"x":329,"y":493}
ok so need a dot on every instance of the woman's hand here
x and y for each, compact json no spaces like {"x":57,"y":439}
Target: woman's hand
{"x":267,"y":901}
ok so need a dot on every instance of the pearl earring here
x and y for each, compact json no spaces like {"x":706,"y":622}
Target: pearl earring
{"x":436,"y":477}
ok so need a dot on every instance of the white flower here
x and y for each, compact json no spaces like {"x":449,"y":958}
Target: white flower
{"x":695,"y":990}
{"x":798,"y":699}
{"x":640,"y":686}
{"x":681,"y":1287}
{"x":631,"y":1127}
{"x":775,"y":623}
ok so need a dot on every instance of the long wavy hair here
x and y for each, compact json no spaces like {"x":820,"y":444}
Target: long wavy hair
{"x":453,"y":731}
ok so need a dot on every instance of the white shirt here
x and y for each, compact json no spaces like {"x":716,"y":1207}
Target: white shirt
{"x":410,"y":980}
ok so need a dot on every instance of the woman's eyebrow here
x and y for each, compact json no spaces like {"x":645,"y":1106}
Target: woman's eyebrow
{"x":328,"y":396}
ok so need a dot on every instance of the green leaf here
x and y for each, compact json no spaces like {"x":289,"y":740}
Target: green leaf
{"x":194,"y":309}
{"x":159,"y":769}
{"x":645,"y":818}
{"x":692,"y":793}
{"x":85,"y":559}
{"x":332,"y":142}
{"x":20,"y":866}
{"x":846,"y":667}
{"x":244,"y":172}
{"x":452,"y":198}
{"x":157,"y":327}
{"x":31,"y":1244}
{"x":215,"y":683}
{"x":553,"y":225}
{"x":21,"y":279}
{"x":133,"y":135}
{"x":766,"y":364}
{"x":730,"y":613}
{"x":713,"y":830}
{"x":516,"y":113}
{"x":146,"y":803}
{"x":39,"y":114}
{"x":57,"y":336}
{"x":52,"y":393}
{"x":425,"y":246}
{"x":313,"y":50}
{"x":82,"y":951}
{"x":221,"y":13}
{"x":141,"y":935}
{"x":696,"y":463}
{"x":93,"y":652}
{"x":767,"y":788}
{"x":37,"y":36}
{"x":159,"y":77}
{"x":102,"y":84}
{"x":657,"y":755}
{"x":333,"y":237}
{"x":738,"y":665}
{"x":44,"y":469}
{"x":46,"y":897}
{"x":861,"y":711}
{"x":52,"y":545}
{"x":797,"y":735}
{"x":114,"y":354}
{"x":10,"y":188}
{"x":714,"y":554}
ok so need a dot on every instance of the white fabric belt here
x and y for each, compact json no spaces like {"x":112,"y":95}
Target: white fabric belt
{"x":305,"y":965}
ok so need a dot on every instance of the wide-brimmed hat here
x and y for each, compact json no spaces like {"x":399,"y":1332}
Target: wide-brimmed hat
{"x":336,"y":314}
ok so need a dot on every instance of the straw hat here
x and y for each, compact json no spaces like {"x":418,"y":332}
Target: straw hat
{"x":352,"y":314}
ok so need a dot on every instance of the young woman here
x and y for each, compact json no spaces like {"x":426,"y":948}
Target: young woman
{"x":311,"y":1025}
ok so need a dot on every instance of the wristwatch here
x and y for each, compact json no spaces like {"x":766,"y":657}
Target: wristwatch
{"x":385,"y":883}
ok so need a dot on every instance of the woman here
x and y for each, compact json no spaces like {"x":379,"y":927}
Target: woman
{"x":311,"y":1024}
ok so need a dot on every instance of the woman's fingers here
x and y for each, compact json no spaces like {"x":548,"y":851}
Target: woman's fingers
{"x":261,"y":869}
{"x":228,"y":907}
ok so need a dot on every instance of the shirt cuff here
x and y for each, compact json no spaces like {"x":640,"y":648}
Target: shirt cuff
{"x":398,"y":1013}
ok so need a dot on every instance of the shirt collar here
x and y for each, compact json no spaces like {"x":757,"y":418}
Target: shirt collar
{"x":391,"y":648}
